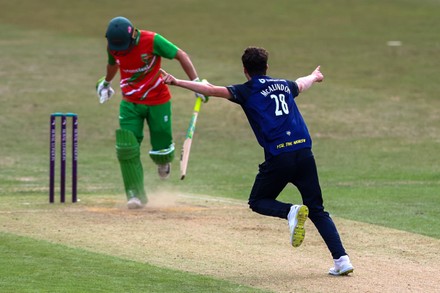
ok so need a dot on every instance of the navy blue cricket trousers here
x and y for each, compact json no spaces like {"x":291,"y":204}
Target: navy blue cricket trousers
{"x":298,"y":168}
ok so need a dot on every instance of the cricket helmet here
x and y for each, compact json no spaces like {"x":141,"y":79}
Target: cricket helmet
{"x":119,"y":34}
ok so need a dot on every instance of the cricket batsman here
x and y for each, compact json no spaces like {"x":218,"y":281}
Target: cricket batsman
{"x":137,"y":55}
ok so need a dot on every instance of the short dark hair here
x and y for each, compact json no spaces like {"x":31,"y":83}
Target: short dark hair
{"x":255,"y":60}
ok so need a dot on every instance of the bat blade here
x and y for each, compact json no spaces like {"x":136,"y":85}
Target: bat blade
{"x":184,"y":156}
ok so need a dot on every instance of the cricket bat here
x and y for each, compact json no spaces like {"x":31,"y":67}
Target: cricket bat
{"x":184,"y":156}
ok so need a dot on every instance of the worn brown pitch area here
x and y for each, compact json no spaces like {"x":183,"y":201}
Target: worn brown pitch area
{"x":223,"y":238}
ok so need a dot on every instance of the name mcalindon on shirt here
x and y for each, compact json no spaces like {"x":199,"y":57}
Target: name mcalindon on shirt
{"x":275,"y":87}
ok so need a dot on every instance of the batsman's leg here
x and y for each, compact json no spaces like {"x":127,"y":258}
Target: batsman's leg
{"x":128,"y":153}
{"x":161,"y":138}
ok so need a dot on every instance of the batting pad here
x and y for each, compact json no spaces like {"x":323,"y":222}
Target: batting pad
{"x":164,"y":156}
{"x":128,"y":153}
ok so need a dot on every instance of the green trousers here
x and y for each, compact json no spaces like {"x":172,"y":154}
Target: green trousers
{"x":158,"y":118}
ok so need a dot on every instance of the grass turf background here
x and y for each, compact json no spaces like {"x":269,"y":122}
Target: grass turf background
{"x":375,"y":120}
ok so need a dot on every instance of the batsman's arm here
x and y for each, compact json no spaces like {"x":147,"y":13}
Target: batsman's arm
{"x":112,"y":70}
{"x":186,"y":64}
{"x":203,"y":88}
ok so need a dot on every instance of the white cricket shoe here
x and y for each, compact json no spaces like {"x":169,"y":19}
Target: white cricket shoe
{"x":134,"y":203}
{"x":342,"y":266}
{"x":164,"y":170}
{"x":297,"y":217}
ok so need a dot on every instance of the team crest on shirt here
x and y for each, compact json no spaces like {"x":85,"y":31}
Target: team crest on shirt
{"x":288,"y":132}
{"x":146,"y":58}
{"x":149,"y":60}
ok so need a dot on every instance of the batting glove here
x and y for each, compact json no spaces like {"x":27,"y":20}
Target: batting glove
{"x":104,"y":90}
{"x":204,"y":98}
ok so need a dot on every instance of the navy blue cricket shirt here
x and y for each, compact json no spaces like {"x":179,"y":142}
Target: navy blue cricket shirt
{"x":269,"y":105}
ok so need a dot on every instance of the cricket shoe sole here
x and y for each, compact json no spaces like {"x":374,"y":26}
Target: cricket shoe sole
{"x":297,"y":217}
